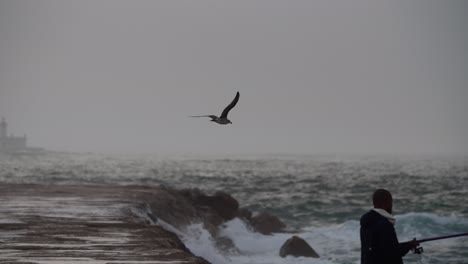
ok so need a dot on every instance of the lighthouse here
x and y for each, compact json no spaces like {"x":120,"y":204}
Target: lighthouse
{"x":10,"y":143}
{"x":3,"y":128}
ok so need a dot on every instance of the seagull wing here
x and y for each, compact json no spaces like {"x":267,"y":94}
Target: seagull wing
{"x":211,"y":116}
{"x":230,"y":106}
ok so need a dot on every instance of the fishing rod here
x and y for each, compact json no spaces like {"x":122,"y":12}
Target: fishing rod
{"x":419,"y":250}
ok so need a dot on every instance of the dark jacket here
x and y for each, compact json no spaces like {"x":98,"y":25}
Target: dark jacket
{"x":379,"y":243}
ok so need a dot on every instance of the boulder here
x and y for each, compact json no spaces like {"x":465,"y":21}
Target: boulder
{"x":192,"y":194}
{"x":267,"y":224}
{"x":212,"y":210}
{"x":222,"y":203}
{"x":297,"y":247}
{"x":170,"y":206}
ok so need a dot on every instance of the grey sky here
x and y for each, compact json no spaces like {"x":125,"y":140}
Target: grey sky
{"x":314,"y":76}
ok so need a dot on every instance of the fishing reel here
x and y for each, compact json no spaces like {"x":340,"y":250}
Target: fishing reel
{"x":418,"y":250}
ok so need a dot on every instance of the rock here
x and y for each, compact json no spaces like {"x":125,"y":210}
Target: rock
{"x":171,"y":206}
{"x":212,"y":210}
{"x":266,"y":223}
{"x":297,"y":247}
{"x":227,"y":205}
{"x":192,"y":194}
{"x":221,"y":202}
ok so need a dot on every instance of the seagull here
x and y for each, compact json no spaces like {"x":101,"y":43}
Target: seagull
{"x":223,"y":120}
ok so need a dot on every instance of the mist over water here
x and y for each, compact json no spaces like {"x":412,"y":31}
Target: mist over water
{"x":320,"y":196}
{"x":321,"y":76}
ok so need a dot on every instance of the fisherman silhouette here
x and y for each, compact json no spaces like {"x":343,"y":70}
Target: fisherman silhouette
{"x":379,"y":243}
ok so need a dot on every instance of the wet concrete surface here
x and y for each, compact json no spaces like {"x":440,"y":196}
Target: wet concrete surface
{"x":83,"y":224}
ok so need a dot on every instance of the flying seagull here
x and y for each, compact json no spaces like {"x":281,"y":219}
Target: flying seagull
{"x":223,"y":120}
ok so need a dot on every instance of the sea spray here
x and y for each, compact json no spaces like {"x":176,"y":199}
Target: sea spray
{"x":198,"y":240}
{"x":261,"y":249}
{"x":335,"y":244}
{"x":249,"y":242}
{"x":201,"y":243}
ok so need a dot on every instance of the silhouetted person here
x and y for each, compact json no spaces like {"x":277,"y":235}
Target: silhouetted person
{"x":379,"y":243}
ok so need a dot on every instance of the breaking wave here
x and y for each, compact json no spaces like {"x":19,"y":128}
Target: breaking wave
{"x":336,"y":244}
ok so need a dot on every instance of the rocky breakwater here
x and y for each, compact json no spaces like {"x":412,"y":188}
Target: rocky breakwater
{"x":187,"y":206}
{"x":182,"y":207}
{"x":114,"y":224}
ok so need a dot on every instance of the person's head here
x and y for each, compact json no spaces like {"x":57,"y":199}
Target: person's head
{"x":382,"y":199}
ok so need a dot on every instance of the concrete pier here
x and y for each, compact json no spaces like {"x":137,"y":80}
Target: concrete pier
{"x":83,"y":225}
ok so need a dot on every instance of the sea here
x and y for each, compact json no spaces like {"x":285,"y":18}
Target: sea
{"x":319,"y":197}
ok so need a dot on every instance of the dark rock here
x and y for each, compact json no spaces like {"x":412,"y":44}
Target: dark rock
{"x":266,"y":223}
{"x":221,"y":202}
{"x":297,"y":247}
{"x":227,"y":206}
{"x":192,"y":194}
{"x":211,"y":210}
{"x":171,"y":206}
{"x":209,"y":216}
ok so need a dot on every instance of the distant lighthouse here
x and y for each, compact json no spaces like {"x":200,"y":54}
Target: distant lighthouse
{"x":11,"y":144}
{"x":3,"y":128}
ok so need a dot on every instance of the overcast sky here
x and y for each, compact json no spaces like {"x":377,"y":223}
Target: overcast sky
{"x":313,"y":76}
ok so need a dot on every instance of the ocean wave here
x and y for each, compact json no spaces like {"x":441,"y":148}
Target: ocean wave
{"x":424,"y":225}
{"x":338,"y":243}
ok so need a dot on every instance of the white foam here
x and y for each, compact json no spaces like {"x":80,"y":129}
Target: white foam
{"x":333,"y":244}
{"x":198,"y":240}
{"x":201,"y":243}
{"x":249,"y":242}
{"x":339,"y":243}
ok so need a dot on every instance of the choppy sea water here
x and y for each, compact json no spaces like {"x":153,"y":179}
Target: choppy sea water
{"x":322,"y":196}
